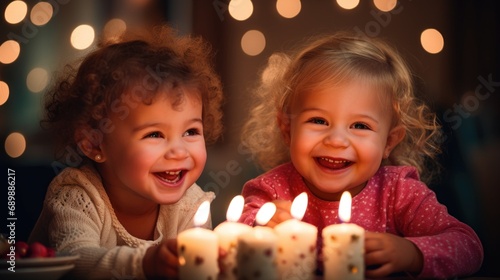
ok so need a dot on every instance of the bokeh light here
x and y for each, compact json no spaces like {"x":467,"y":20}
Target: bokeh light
{"x":240,"y":9}
{"x":432,"y":41}
{"x":37,"y":80}
{"x":385,"y":5}
{"x":82,"y":37}
{"x":15,"y":12}
{"x":113,"y":29}
{"x":41,"y":13}
{"x":253,"y":42}
{"x":15,"y":144}
{"x":348,"y":4}
{"x":288,"y":8}
{"x":9,"y":51}
{"x":4,"y":92}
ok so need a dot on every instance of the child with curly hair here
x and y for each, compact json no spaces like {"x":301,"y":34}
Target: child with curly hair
{"x":141,"y":111}
{"x":341,"y":115}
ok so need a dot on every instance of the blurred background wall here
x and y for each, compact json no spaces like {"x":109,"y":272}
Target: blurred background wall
{"x":452,"y":46}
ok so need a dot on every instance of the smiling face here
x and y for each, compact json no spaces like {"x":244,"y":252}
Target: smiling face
{"x":155,"y":153}
{"x":339,"y":135}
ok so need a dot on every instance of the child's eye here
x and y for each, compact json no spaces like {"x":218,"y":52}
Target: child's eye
{"x":360,"y":126}
{"x":155,"y":134}
{"x":318,"y":121}
{"x":192,"y":132}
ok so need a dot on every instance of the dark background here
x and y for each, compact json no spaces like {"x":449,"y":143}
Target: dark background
{"x":449,"y":81}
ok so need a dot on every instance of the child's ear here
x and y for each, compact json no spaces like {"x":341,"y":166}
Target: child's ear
{"x":284,"y":125}
{"x":88,"y":147}
{"x":396,"y":135}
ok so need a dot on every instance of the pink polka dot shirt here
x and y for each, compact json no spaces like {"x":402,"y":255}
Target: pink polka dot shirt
{"x":394,"y":201}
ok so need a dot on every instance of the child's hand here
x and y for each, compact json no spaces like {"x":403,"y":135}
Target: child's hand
{"x":161,"y":261}
{"x":389,"y":253}
{"x":282,"y":212}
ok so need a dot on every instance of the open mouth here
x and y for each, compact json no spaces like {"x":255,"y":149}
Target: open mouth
{"x":171,"y":177}
{"x":335,"y":164}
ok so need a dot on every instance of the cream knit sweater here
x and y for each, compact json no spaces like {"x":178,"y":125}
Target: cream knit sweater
{"x":77,"y":218}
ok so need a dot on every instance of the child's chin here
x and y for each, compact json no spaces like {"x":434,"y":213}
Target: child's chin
{"x":170,"y":198}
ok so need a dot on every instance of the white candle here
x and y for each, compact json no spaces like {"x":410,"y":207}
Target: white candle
{"x":297,"y":244}
{"x":343,"y":246}
{"x":198,"y":249}
{"x":256,"y":254}
{"x":228,"y":233}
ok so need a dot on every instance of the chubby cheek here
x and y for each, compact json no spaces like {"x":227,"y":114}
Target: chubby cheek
{"x":135,"y":165}
{"x":370,"y":153}
{"x":199,"y":155}
{"x":302,"y":142}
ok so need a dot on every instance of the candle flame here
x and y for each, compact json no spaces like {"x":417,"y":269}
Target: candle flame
{"x":266,"y":212}
{"x":345,"y":207}
{"x":201,"y":216}
{"x":235,"y":208}
{"x":299,"y":206}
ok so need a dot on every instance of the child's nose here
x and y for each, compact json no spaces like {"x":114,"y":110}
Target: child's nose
{"x":336,"y":138}
{"x":176,"y":150}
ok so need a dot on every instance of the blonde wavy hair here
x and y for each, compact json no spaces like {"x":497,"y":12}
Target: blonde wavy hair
{"x":332,"y":60}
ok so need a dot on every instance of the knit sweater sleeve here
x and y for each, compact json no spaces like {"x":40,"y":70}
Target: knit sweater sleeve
{"x":450,"y":248}
{"x":74,"y":220}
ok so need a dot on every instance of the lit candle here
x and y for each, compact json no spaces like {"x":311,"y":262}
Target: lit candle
{"x":228,"y":233}
{"x":297,"y":243}
{"x":256,"y":254}
{"x":198,"y":249}
{"x":343,"y":246}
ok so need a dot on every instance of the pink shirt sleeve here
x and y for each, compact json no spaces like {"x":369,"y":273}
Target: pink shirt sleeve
{"x":449,"y":247}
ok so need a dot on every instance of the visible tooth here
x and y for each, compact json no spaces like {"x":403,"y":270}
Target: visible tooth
{"x":173,"y":172}
{"x":335,"y":161}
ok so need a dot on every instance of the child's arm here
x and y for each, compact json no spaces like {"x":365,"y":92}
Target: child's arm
{"x":75,"y":220}
{"x":387,"y":253}
{"x":259,"y":191}
{"x":76,"y":228}
{"x":449,"y":247}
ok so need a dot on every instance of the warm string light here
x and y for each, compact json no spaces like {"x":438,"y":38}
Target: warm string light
{"x":253,"y":42}
{"x":4,"y":92}
{"x":288,"y":8}
{"x":432,"y":41}
{"x":240,"y":9}
{"x":15,"y":12}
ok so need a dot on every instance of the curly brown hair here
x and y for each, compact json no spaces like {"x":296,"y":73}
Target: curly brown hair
{"x":334,"y":59}
{"x":140,"y":64}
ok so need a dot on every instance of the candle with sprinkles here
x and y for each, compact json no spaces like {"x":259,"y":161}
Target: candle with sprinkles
{"x":228,"y":233}
{"x":256,"y":254}
{"x":297,"y":244}
{"x":343,"y":246}
{"x":198,"y":249}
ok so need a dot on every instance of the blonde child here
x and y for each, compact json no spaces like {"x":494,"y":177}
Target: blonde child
{"x":341,"y":115}
{"x":140,"y":110}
